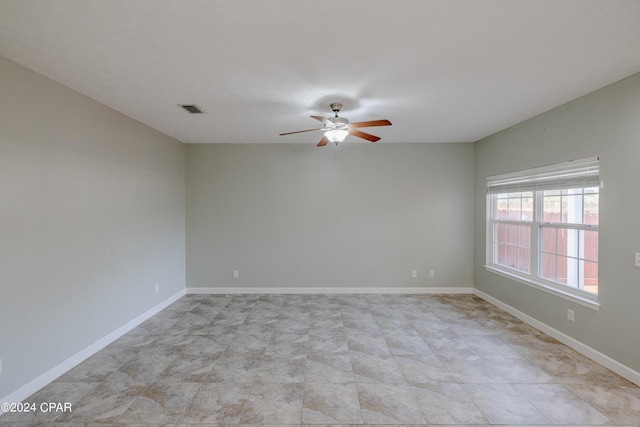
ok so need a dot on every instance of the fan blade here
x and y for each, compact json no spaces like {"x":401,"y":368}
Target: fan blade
{"x":364,"y":135}
{"x":371,"y":123}
{"x":324,"y":141}
{"x":299,"y":131}
{"x":322,"y":119}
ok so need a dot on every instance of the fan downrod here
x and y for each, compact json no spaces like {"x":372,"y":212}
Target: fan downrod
{"x":336,"y":107}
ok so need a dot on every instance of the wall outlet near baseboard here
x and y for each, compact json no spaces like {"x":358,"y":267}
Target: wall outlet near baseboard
{"x":571,"y":315}
{"x":432,"y":273}
{"x":156,"y":288}
{"x":414,"y":273}
{"x":235,"y":274}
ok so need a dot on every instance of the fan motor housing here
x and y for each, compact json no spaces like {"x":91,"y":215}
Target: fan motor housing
{"x":339,"y":120}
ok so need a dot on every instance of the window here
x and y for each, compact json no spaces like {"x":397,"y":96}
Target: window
{"x":542,"y":226}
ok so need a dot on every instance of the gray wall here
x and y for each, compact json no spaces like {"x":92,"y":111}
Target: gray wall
{"x":604,"y":123}
{"x":91,"y":218}
{"x":356,"y":215}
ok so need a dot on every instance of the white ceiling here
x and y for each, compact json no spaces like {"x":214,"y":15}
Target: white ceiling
{"x":440,"y":70}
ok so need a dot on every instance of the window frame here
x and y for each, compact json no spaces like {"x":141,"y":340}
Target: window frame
{"x":535,"y":277}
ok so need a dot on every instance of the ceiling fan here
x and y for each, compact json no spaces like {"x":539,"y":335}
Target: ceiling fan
{"x":337,"y":128}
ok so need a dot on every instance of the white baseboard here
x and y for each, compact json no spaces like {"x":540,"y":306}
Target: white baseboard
{"x":606,"y":361}
{"x":33,"y":386}
{"x":234,"y":290}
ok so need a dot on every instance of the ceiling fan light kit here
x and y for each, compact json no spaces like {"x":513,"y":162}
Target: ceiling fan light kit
{"x":336,"y":129}
{"x":336,"y":135}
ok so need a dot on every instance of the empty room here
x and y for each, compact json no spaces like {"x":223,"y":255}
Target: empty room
{"x":290,"y":212}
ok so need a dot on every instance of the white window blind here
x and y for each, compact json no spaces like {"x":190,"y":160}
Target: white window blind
{"x":572,"y":174}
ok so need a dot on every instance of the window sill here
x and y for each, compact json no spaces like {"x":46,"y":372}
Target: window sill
{"x":585,"y":301}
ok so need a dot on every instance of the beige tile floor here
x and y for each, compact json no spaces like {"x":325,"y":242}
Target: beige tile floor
{"x":288,"y":360}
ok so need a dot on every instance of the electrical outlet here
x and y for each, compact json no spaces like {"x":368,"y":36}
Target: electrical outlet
{"x":571,"y":315}
{"x":432,"y":273}
{"x":157,"y":288}
{"x":637,"y":259}
{"x":235,"y":274}
{"x":414,"y":273}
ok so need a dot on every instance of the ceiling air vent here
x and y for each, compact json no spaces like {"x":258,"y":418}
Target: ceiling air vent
{"x":192,"y":108}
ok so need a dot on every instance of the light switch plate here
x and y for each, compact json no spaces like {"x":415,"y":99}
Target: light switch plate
{"x":637,"y":259}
